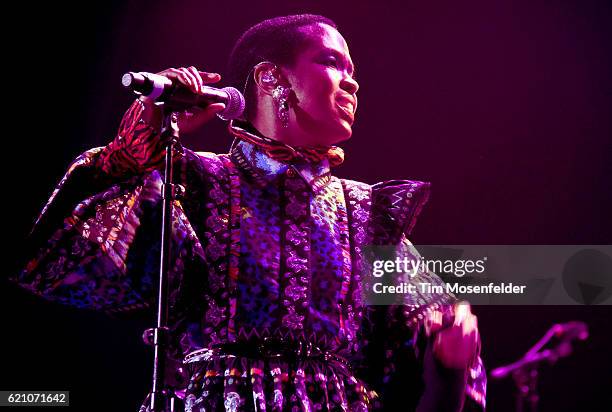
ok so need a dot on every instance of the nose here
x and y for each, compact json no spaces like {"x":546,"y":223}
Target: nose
{"x":349,"y":84}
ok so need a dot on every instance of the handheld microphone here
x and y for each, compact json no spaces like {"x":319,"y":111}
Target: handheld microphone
{"x":179,"y":97}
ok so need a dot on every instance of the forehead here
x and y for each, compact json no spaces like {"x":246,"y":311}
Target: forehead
{"x":322,"y":36}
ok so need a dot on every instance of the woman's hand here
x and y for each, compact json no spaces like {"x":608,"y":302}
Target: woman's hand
{"x":194,"y":80}
{"x":455,"y":346}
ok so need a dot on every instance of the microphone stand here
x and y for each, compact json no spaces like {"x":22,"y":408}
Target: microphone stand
{"x":161,"y":398}
{"x":525,"y":370}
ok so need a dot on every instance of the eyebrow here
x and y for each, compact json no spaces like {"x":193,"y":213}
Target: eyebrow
{"x":341,"y":56}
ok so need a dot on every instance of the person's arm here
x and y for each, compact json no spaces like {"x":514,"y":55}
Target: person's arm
{"x":138,"y":147}
{"x":452,"y":370}
{"x":96,"y":243}
{"x":447,"y":346}
{"x":418,"y":369}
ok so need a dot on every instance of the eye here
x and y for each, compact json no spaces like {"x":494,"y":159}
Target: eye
{"x":331,"y":61}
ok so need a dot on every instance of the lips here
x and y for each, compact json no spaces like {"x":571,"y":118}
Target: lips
{"x":346,"y":113}
{"x":347,"y":107}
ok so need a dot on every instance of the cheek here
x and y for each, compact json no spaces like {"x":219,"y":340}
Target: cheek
{"x":315,"y":93}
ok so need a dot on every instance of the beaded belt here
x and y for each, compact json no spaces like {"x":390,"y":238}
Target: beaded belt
{"x":269,"y":348}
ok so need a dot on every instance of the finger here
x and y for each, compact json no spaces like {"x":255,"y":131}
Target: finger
{"x":193,"y":84}
{"x":462,"y":311}
{"x":174,"y":73}
{"x":210,"y":77}
{"x":216,"y":107}
{"x":170,"y":73}
{"x":470,"y":325}
{"x":199,"y":117}
{"x":179,"y":75}
{"x":199,"y":83}
{"x":165,"y":71}
{"x":204,"y":112}
{"x":433,"y":322}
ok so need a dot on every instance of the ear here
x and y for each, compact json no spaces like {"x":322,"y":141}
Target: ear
{"x":266,"y":76}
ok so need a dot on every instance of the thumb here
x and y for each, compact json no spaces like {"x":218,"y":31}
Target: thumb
{"x":216,"y":107}
{"x":188,"y":122}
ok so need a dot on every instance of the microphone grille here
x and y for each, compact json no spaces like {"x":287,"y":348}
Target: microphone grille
{"x":234,"y":107}
{"x":126,"y":80}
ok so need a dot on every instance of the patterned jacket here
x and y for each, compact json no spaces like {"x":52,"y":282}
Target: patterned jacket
{"x":260,"y":249}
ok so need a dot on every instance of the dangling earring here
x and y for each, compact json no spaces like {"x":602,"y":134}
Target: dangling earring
{"x":280,"y":95}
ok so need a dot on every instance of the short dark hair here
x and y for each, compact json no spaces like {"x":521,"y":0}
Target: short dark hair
{"x":278,"y":40}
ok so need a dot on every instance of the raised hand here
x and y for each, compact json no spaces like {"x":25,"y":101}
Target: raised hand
{"x":194,"y":80}
{"x":457,"y":345}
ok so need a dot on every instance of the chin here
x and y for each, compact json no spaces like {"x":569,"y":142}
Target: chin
{"x":343,"y":138}
{"x":335,"y":139}
{"x":340,"y":132}
{"x":344,"y":134}
{"x":331,"y":133}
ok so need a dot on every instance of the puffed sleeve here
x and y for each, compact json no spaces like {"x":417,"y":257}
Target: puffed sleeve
{"x":95,"y":245}
{"x":409,"y":373}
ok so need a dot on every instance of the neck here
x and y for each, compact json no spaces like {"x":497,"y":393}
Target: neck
{"x":267,"y":123}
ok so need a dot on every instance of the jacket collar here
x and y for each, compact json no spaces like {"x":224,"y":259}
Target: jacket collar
{"x":264,"y":170}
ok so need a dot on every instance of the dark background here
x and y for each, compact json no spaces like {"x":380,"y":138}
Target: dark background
{"x":504,"y":106}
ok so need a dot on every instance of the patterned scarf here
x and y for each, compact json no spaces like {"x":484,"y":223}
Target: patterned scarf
{"x":288,"y":154}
